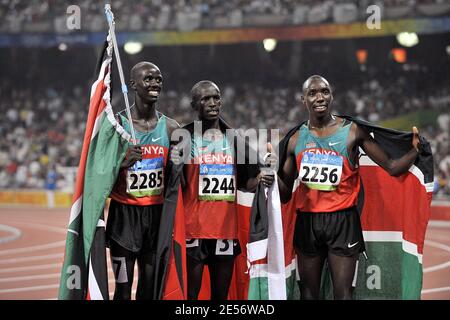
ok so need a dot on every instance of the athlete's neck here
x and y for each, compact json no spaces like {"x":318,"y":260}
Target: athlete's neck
{"x":144,"y":110}
{"x":322,"y":122}
{"x":209,"y":124}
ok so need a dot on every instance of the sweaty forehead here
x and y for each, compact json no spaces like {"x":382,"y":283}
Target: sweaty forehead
{"x":316,"y":84}
{"x":206,"y":90}
{"x":145,"y":70}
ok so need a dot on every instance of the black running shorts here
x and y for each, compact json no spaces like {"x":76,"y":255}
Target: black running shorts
{"x":211,"y":250}
{"x":134,"y":228}
{"x":337,"y":232}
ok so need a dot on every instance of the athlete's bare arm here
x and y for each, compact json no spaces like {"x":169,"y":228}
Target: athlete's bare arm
{"x":172,"y":125}
{"x":288,"y":172}
{"x":394,"y":167}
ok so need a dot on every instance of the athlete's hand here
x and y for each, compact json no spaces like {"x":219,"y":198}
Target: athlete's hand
{"x":270,"y":159}
{"x":267,"y":174}
{"x":175,"y":155}
{"x":415,"y":140}
{"x":134,"y":153}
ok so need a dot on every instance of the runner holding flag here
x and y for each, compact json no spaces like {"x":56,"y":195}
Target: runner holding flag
{"x":129,"y":167}
{"x":84,"y":273}
{"x":323,"y":153}
{"x":138,"y":194}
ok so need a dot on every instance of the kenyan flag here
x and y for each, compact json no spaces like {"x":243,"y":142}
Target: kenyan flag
{"x":394,"y":221}
{"x":394,"y":215}
{"x":84,"y":272}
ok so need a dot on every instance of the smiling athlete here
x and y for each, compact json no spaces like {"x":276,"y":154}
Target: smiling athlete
{"x":323,"y":155}
{"x":138,"y":194}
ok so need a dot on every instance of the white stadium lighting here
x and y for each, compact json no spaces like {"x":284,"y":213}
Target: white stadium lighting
{"x":269,"y":44}
{"x":62,"y":46}
{"x":407,"y":39}
{"x":448,"y":50}
{"x":132,"y":47}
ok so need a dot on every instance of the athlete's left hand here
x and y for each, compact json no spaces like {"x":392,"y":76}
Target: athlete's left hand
{"x":175,"y":155}
{"x":270,"y":159}
{"x":267,"y":174}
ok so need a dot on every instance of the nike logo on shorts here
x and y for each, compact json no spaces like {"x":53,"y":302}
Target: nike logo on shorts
{"x":352,"y":245}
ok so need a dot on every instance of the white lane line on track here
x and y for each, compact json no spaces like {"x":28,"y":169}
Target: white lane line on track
{"x":437,"y":267}
{"x":32,"y":268}
{"x":436,"y":290}
{"x":32,"y":258}
{"x":41,"y":226}
{"x":16,"y":233}
{"x":35,"y":288}
{"x":438,"y":245}
{"x":439,"y":224}
{"x":25,"y":289}
{"x":441,"y":246}
{"x":34,"y":277}
{"x":34,"y":248}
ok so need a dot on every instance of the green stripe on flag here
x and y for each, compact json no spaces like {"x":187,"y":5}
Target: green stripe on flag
{"x":106,"y":152}
{"x":258,"y":288}
{"x":389,"y":273}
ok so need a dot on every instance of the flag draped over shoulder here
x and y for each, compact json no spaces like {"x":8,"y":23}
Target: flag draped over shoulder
{"x":394,"y":216}
{"x":170,"y":275}
{"x":239,"y":286}
{"x":84,"y":272}
{"x":395,"y":212}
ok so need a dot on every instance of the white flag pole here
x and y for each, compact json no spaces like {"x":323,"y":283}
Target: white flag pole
{"x":110,"y":18}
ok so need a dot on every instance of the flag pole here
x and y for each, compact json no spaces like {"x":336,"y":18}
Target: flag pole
{"x":111,"y":23}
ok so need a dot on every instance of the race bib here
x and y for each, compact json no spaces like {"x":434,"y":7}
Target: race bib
{"x":224,"y":247}
{"x":146,"y":178}
{"x":192,"y":243}
{"x":321,"y":171}
{"x":216,"y":182}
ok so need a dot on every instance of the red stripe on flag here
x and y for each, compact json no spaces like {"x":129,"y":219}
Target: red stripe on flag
{"x":395,"y":204}
{"x":96,"y":106}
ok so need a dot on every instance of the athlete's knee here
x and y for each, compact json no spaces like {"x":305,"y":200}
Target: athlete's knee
{"x":122,"y":293}
{"x":307,"y":293}
{"x":343,"y":294}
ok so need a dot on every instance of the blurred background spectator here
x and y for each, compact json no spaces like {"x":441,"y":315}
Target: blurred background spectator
{"x":49,"y":15}
{"x":45,"y":91}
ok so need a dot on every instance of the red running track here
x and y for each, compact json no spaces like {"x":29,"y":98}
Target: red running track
{"x":32,"y":244}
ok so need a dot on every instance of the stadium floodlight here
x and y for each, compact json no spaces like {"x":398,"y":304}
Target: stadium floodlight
{"x":269,"y":44}
{"x":133,"y":47}
{"x":448,"y":50}
{"x":62,"y":46}
{"x":407,"y":39}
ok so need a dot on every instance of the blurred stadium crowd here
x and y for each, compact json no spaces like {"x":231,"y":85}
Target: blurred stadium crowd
{"x":44,"y":113}
{"x":50,"y":15}
{"x":43,"y":127}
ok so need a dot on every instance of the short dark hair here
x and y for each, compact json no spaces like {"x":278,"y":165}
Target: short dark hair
{"x":311,"y":78}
